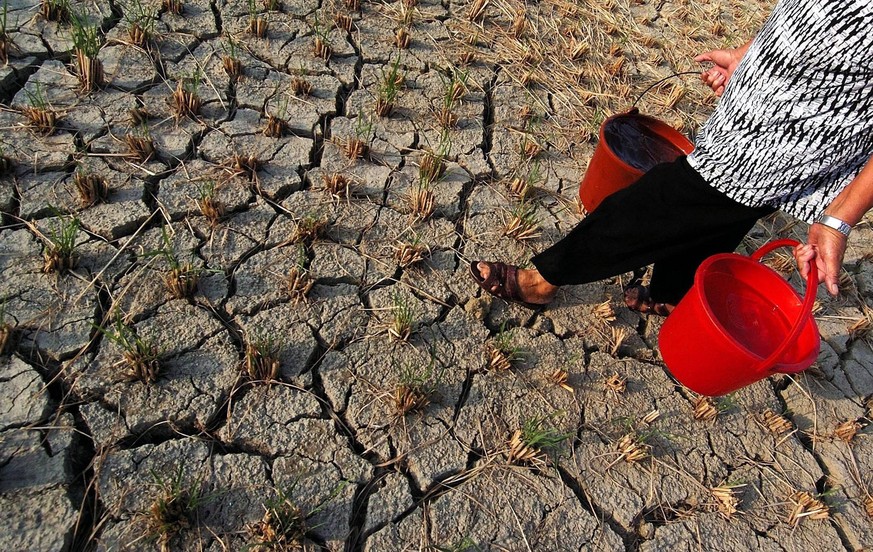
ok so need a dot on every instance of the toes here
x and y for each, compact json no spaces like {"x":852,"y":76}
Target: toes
{"x":632,"y":297}
{"x":484,"y":270}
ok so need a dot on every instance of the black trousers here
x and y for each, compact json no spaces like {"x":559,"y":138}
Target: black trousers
{"x":670,"y":217}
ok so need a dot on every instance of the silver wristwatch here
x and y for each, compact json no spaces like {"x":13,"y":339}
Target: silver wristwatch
{"x":833,"y":222}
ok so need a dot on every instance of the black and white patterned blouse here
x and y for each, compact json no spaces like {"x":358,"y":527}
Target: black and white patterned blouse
{"x":795,"y":123}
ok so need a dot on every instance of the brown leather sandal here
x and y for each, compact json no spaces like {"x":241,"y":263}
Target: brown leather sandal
{"x":502,"y":282}
{"x":638,"y":299}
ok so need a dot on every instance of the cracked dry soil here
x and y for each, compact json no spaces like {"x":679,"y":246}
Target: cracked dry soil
{"x":262,"y":335}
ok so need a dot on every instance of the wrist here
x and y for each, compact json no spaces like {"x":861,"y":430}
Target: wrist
{"x":834,"y":223}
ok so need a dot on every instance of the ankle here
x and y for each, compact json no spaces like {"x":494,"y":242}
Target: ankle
{"x":533,"y":280}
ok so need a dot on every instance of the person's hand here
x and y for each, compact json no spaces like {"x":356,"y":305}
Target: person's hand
{"x":826,"y":248}
{"x":724,"y":63}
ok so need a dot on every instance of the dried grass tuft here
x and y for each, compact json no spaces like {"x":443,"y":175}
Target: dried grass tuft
{"x":321,"y":48}
{"x":138,"y":116}
{"x":727,"y":499}
{"x":422,"y":202}
{"x":211,"y":208}
{"x":283,"y":526}
{"x":477,"y":10}
{"x":174,"y":7}
{"x":5,"y":333}
{"x":410,"y":254}
{"x":518,"y":187}
{"x":59,"y":253}
{"x":301,"y":87}
{"x":354,"y":148}
{"x":605,"y":312}
{"x":276,"y":127}
{"x":138,"y":36}
{"x":862,"y":328}
{"x":343,"y":21}
{"x":522,"y":223}
{"x":519,"y":452}
{"x":55,"y":10}
{"x":519,"y":24}
{"x":308,"y":229}
{"x":616,"y":383}
{"x":705,"y":409}
{"x":42,"y":120}
{"x":337,"y":185}
{"x":140,"y":147}
{"x":142,"y":363}
{"x":89,"y":70}
{"x":431,"y":167}
{"x":258,"y":27}
{"x":298,"y":284}
{"x":561,"y":377}
{"x":847,"y":430}
{"x":632,"y":448}
{"x":776,"y":423}
{"x":528,"y":444}
{"x":409,"y":398}
{"x":466,"y":57}
{"x":402,"y":38}
{"x":232,"y":67}
{"x":182,"y":280}
{"x":91,"y":188}
{"x":804,"y":505}
{"x":845,"y":282}
{"x":261,"y":362}
{"x":617,"y":336}
{"x":246,"y":166}
{"x":186,"y":102}
{"x":781,"y":262}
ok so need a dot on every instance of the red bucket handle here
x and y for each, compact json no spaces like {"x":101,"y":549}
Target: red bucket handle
{"x":808,"y":300}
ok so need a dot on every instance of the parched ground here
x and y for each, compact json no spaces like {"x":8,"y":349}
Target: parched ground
{"x":264,"y":336}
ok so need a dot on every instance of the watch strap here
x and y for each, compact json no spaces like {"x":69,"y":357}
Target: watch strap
{"x":840,"y":226}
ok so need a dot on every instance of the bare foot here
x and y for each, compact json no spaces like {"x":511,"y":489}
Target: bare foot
{"x":532,"y":287}
{"x":638,"y":299}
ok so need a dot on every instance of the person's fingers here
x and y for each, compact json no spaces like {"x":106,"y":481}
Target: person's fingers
{"x":712,"y":79}
{"x":706,"y":56}
{"x":831,"y":269}
{"x":829,"y":248}
{"x":802,"y":255}
{"x":713,"y":73}
{"x":831,"y":278}
{"x":715,"y":78}
{"x":804,"y":252}
{"x":833,"y":287}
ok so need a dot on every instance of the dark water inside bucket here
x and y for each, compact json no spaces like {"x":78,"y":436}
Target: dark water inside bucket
{"x":632,"y":141}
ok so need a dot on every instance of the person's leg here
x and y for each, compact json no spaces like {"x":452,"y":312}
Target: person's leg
{"x":590,"y":250}
{"x":670,"y":213}
{"x":672,"y":277}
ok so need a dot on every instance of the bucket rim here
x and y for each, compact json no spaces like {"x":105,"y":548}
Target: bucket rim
{"x":707,"y":309}
{"x":675,"y":137}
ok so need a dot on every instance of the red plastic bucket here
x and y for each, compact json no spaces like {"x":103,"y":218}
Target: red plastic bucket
{"x":739,"y":323}
{"x":630,"y":144}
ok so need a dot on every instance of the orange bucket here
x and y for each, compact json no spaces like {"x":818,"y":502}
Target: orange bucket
{"x":739,"y":323}
{"x":630,"y":144}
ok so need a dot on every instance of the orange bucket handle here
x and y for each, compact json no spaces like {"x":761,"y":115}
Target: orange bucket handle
{"x":806,"y":308}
